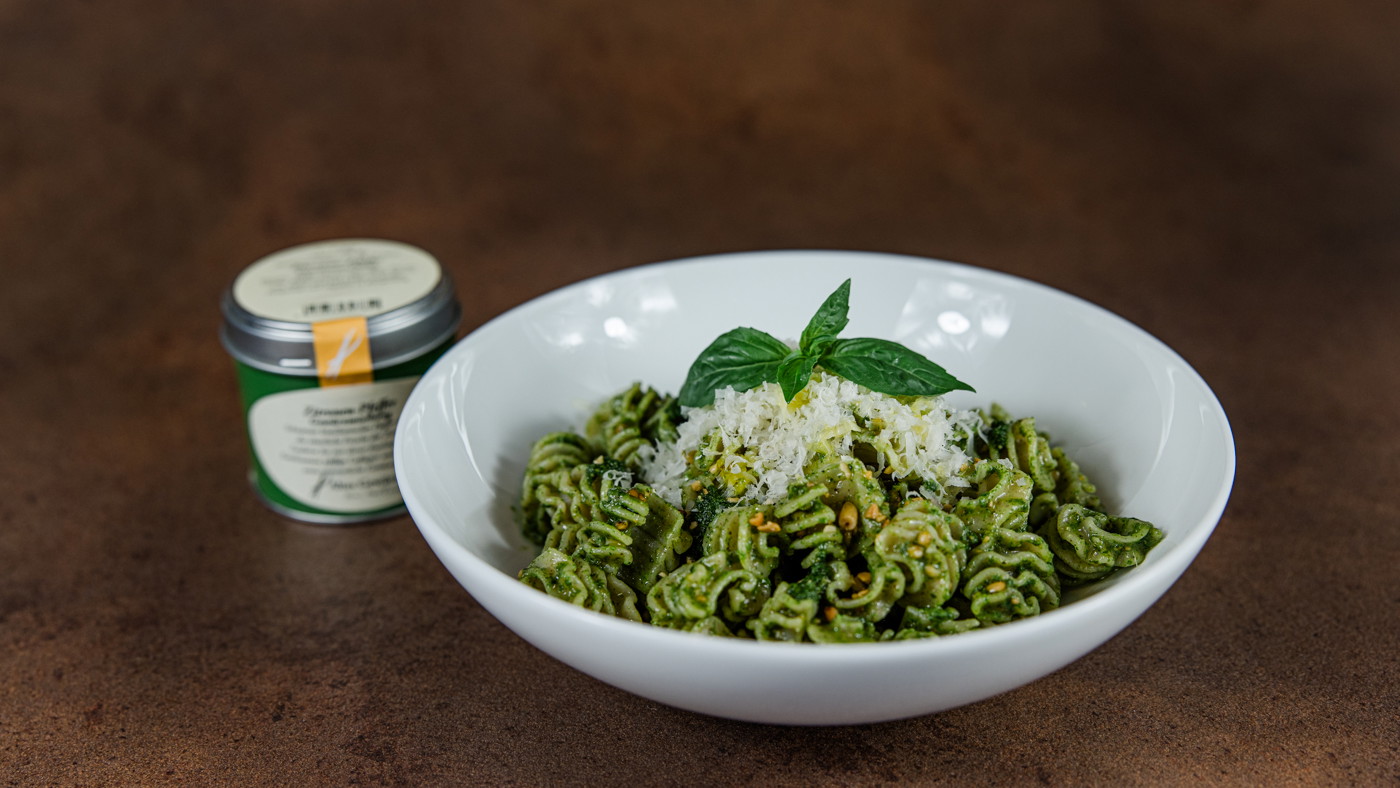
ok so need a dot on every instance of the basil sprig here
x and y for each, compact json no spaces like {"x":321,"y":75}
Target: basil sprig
{"x":746,"y":358}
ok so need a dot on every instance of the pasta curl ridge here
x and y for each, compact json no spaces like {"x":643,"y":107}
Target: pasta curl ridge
{"x":1028,"y":450}
{"x":1010,"y":575}
{"x":716,"y":586}
{"x":1073,"y":486}
{"x":843,"y":628}
{"x":847,"y":479}
{"x":591,"y":510}
{"x":747,"y":533}
{"x":784,"y":617}
{"x":871,"y":594}
{"x":921,"y":540}
{"x":924,"y":621}
{"x":634,"y":421}
{"x":805,"y":519}
{"x":1090,"y":545}
{"x":1001,"y":500}
{"x":580,"y":583}
{"x":554,"y":453}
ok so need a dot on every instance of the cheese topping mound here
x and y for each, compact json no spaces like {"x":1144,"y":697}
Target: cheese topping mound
{"x":760,"y":445}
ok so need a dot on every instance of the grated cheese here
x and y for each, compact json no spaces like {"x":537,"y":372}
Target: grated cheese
{"x":619,"y":479}
{"x":765,"y":443}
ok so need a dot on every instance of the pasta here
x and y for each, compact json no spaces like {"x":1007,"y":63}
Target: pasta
{"x":844,"y":516}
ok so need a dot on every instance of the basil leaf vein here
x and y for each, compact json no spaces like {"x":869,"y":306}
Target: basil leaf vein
{"x":743,"y":358}
{"x":890,"y":368}
{"x":830,"y":319}
{"x":793,"y":374}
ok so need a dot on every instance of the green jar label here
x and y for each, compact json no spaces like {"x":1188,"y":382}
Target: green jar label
{"x":331,"y":449}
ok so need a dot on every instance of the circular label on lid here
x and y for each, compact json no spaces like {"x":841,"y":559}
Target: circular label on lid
{"x":335,"y":279}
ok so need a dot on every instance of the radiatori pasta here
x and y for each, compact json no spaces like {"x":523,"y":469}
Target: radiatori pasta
{"x":844,"y":516}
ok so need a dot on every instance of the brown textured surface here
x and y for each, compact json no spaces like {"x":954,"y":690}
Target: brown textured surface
{"x":1227,"y":175}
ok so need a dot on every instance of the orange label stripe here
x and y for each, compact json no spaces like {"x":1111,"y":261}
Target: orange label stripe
{"x":342,"y":351}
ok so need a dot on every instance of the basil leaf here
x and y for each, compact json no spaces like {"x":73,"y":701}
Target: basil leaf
{"x":889,"y":368}
{"x":793,"y":374}
{"x":830,"y":318}
{"x":742,"y":358}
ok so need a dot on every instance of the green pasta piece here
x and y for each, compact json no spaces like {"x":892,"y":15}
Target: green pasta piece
{"x":785,"y":617}
{"x":1073,"y":485}
{"x":592,"y":509}
{"x":745,"y":532}
{"x":1089,"y":545}
{"x":657,"y":542}
{"x":1010,"y":575}
{"x":1001,"y":500}
{"x":1018,"y":441}
{"x":842,"y":628}
{"x":600,"y":543}
{"x":922,"y":621}
{"x":715,"y":586}
{"x":858,"y":485}
{"x":555,"y":452}
{"x":1030,"y":452}
{"x":920,"y":539}
{"x":995,"y":435}
{"x":826,"y":570}
{"x":806,"y":520}
{"x":580,"y":583}
{"x":632,"y":420}
{"x":1043,"y":507}
{"x":710,"y":625}
{"x":870,"y":599}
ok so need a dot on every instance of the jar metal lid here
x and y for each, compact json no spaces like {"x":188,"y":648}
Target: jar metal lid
{"x":340,"y":278}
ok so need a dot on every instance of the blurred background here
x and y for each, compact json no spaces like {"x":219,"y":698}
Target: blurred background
{"x":1226,"y":174}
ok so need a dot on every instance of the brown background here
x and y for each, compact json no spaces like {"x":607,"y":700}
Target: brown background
{"x":1224,"y":174}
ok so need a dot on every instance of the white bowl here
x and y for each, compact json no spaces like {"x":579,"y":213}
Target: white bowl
{"x":1141,"y":422}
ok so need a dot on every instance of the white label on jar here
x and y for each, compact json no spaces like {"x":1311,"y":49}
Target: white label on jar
{"x":333,"y":279}
{"x":332,"y":448}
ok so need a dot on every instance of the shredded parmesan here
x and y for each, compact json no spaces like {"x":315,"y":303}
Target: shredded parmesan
{"x":764,"y":444}
{"x":620,"y":479}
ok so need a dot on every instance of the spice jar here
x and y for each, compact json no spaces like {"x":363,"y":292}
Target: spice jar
{"x":328,"y":339}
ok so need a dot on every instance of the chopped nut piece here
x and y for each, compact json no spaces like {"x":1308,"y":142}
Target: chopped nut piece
{"x":916,"y":551}
{"x":757,"y":519}
{"x":770,"y":527}
{"x":860,"y":593}
{"x":863,"y":577}
{"x":696,"y":485}
{"x":996,"y":587}
{"x":931,"y":570}
{"x":830,"y":613}
{"x":924,"y":538}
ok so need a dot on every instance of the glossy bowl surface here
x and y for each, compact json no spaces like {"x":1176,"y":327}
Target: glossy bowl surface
{"x":1145,"y":427}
